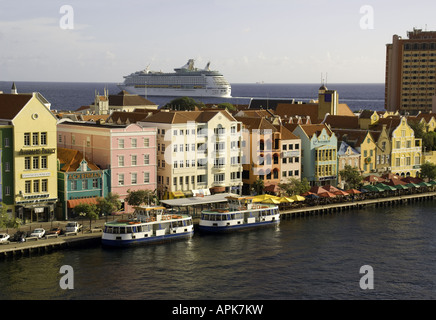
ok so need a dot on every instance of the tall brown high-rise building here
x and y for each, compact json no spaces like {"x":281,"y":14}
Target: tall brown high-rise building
{"x":411,"y":72}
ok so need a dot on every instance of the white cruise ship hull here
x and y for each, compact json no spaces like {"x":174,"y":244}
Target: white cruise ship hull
{"x":165,"y":92}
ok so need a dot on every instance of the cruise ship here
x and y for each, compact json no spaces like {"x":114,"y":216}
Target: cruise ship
{"x":185,"y":81}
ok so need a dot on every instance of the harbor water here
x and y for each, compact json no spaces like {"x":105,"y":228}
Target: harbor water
{"x":308,"y":258}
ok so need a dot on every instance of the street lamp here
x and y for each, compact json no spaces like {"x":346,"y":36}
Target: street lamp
{"x":83,"y":215}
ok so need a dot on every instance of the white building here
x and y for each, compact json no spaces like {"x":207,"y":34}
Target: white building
{"x":197,"y":151}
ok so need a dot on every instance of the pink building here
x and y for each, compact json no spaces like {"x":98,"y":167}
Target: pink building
{"x":129,"y":151}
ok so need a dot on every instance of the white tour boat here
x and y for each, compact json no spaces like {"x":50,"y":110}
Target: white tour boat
{"x":241,"y":213}
{"x":147,"y":225}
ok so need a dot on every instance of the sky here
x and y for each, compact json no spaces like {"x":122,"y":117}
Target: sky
{"x":274,"y":41}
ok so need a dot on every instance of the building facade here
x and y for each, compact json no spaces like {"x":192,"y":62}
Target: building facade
{"x":197,"y":151}
{"x":79,"y":181}
{"x":127,"y":151}
{"x":410,"y":83}
{"x":29,"y":179}
{"x":319,"y":154}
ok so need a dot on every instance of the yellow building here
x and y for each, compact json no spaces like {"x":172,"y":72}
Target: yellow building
{"x":33,"y":157}
{"x":406,"y":150}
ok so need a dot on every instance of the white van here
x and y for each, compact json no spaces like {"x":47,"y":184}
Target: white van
{"x":73,"y":227}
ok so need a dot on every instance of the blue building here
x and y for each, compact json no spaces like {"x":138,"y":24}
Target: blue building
{"x":319,"y":154}
{"x":79,"y":181}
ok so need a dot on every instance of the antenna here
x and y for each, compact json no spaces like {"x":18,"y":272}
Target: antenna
{"x":326,"y":78}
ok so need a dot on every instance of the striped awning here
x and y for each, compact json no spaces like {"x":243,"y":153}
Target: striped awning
{"x":75,"y":202}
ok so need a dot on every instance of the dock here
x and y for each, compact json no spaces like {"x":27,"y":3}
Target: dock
{"x":356,"y":205}
{"x":49,"y":244}
{"x":93,"y":236}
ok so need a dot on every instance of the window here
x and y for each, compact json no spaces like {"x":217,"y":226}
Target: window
{"x":43,"y":138}
{"x":134,"y":160}
{"x":44,"y":162}
{"x":146,"y":159}
{"x":27,"y":163}
{"x":7,"y":190}
{"x":146,"y":142}
{"x":121,"y":143}
{"x":7,"y":167}
{"x":35,"y":138}
{"x":6,"y":142}
{"x":27,"y":186}
{"x":121,"y":161}
{"x":84,"y":184}
{"x":134,"y":178}
{"x":95,"y":183}
{"x":35,"y":162}
{"x":27,"y":139}
{"x":218,"y":177}
{"x":73,"y":184}
{"x":121,"y":179}
{"x":134,"y":143}
{"x":146,"y":177}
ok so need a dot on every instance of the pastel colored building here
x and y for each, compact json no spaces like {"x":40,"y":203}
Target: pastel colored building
{"x":28,"y":147}
{"x":319,"y":154}
{"x":79,"y":181}
{"x":198,"y":152}
{"x":127,"y":151}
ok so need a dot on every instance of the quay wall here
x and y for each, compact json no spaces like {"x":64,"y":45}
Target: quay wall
{"x":89,"y":239}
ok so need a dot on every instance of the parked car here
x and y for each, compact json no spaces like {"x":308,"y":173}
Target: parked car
{"x":38,"y":232}
{"x":19,"y":236}
{"x":4,"y":237}
{"x":55,"y":231}
{"x":73,"y":227}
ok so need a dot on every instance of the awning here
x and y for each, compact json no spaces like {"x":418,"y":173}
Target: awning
{"x":177,"y":194}
{"x":75,"y":202}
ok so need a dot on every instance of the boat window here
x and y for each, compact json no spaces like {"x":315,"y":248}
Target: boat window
{"x":122,"y":230}
{"x":232,"y":216}
{"x":223,"y":217}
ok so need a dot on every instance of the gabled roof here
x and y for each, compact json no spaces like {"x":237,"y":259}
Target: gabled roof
{"x":353,"y":137}
{"x":311,"y":129}
{"x":124,"y":98}
{"x":173,"y":117}
{"x":253,"y":123}
{"x":286,"y":134}
{"x":344,"y":147}
{"x":292,"y":110}
{"x":71,"y":160}
{"x":11,"y":104}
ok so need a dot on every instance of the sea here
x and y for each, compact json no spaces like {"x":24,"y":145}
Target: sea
{"x":369,"y":254}
{"x":73,"y":95}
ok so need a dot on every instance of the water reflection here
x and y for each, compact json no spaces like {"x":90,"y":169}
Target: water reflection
{"x":307,"y":258}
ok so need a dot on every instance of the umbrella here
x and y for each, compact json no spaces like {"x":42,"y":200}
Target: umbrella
{"x":373,"y":188}
{"x":307,"y":193}
{"x":327,"y":195}
{"x":432,"y":182}
{"x":425,"y":184}
{"x":353,"y":191}
{"x":271,"y":200}
{"x":401,"y":187}
{"x":262,"y":197}
{"x":312,"y":196}
{"x":317,"y":189}
{"x":297,"y":198}
{"x":341,"y":193}
{"x":285,"y":200}
{"x":331,"y":188}
{"x":412,"y":185}
{"x":385,"y":187}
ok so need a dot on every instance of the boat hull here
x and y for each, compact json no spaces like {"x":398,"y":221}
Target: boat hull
{"x":238,"y":227}
{"x":153,"y":92}
{"x":147,"y":240}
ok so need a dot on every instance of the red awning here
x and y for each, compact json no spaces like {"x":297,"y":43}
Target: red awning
{"x":75,"y":202}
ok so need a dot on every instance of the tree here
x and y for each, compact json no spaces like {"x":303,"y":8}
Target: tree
{"x":352,"y":176}
{"x":6,"y":221}
{"x":230,"y":107}
{"x":109,"y":204}
{"x":295,"y":186}
{"x":183,"y":104}
{"x":418,"y":128}
{"x":428,"y":170}
{"x":86,"y":210}
{"x":258,"y":186}
{"x":429,"y":141}
{"x":138,"y":197}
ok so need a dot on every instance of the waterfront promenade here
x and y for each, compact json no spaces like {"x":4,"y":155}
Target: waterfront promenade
{"x":91,"y":236}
